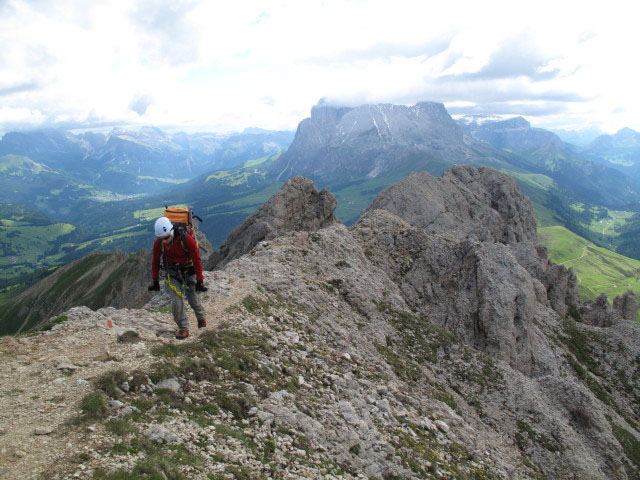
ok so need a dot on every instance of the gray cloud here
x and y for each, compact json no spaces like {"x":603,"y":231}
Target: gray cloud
{"x":172,"y":38}
{"x":385,"y":51}
{"x":488,"y":91}
{"x":18,"y":88}
{"x":49,"y":123}
{"x":140,"y":103}
{"x":514,"y":108}
{"x":516,"y":57}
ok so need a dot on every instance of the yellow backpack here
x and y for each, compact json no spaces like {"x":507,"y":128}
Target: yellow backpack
{"x":182,"y":220}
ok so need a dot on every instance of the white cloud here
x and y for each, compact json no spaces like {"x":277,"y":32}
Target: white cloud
{"x":228,"y":65}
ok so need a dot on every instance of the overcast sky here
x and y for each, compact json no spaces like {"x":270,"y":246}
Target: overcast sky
{"x":225,"y":65}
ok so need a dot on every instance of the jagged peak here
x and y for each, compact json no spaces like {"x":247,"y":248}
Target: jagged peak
{"x":296,"y":206}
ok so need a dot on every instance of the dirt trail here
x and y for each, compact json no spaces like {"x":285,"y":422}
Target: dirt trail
{"x":584,"y":252}
{"x":38,"y":396}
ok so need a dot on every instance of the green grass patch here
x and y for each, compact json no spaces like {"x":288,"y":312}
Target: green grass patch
{"x":119,"y":426}
{"x":611,"y":225}
{"x":597,"y":269}
{"x":94,"y":407}
{"x":110,"y":382}
{"x":53,"y":323}
{"x":151,"y":213}
{"x":153,"y":467}
{"x":537,"y":180}
{"x":630,"y":444}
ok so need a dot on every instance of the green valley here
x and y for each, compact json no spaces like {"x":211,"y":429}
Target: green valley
{"x":26,"y":239}
{"x":598,"y":270}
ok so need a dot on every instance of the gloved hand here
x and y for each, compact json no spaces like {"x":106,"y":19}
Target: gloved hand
{"x":200,"y":286}
{"x":155,"y":286}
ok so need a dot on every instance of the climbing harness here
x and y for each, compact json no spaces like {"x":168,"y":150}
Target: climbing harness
{"x":173,"y":287}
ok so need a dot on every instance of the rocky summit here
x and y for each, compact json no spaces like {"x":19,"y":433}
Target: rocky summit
{"x":432,"y":339}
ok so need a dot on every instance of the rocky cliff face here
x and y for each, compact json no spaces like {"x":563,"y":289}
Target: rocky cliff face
{"x":455,"y":245}
{"x":398,"y":348}
{"x":373,"y":139}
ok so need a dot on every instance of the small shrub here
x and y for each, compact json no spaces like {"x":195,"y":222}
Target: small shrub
{"x":53,"y":323}
{"x":182,"y":456}
{"x":238,"y":406}
{"x":94,"y":406}
{"x":157,"y":466}
{"x":355,"y":449}
{"x":110,"y":382}
{"x":119,"y":426}
{"x":256,"y":306}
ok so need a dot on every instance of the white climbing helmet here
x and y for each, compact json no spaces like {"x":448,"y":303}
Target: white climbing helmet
{"x":163,"y":227}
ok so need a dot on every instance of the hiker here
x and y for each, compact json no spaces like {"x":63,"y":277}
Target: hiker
{"x":181,"y":260}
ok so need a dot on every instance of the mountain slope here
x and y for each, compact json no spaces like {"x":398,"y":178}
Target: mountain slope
{"x":513,"y":134}
{"x":97,"y":280}
{"x":144,"y":160}
{"x":26,"y":237}
{"x":620,"y":151}
{"x":28,"y":182}
{"x":541,"y":151}
{"x":380,"y":351}
{"x":598,"y":270}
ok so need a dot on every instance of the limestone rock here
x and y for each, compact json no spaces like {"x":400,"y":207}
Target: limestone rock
{"x":626,"y":306}
{"x":464,"y":201}
{"x":296,"y":206}
{"x":599,"y":313}
{"x":170,"y":383}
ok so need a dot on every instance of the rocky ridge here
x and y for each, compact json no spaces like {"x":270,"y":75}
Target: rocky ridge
{"x":297,"y":206}
{"x":440,"y":344}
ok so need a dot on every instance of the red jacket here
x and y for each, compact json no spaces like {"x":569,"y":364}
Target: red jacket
{"x":176,"y":254}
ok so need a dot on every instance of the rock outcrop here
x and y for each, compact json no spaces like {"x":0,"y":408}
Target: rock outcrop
{"x":600,"y":313}
{"x":465,"y":201}
{"x":463,"y":250}
{"x":298,"y":206}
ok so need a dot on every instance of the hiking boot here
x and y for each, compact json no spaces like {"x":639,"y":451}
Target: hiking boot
{"x":182,"y":334}
{"x":202,"y":323}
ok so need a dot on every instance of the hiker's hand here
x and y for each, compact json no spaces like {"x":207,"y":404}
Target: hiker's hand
{"x":200,"y":286}
{"x":155,"y":286}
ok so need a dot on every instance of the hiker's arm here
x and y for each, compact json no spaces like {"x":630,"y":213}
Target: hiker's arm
{"x":195,"y":257}
{"x":155,"y":262}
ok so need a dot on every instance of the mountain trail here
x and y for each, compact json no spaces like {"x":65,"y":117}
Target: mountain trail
{"x":45,"y":375}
